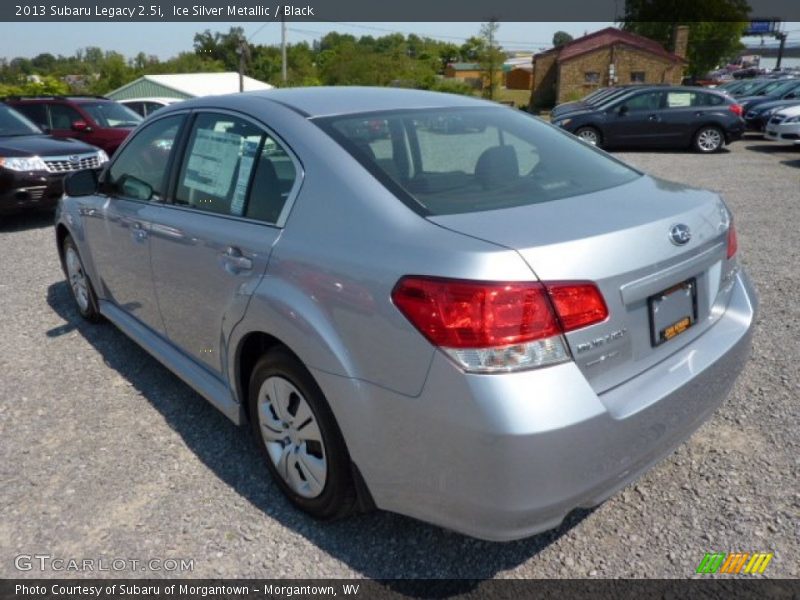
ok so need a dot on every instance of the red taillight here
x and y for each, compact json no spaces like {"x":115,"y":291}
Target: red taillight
{"x":577,"y":304}
{"x":736,"y":109}
{"x":475,"y":314}
{"x":733,"y":242}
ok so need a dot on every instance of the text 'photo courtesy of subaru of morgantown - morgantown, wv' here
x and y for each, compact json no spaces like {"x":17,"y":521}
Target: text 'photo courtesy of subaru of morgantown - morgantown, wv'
{"x":419,"y":302}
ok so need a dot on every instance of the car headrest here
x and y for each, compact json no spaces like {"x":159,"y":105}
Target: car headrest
{"x":497,"y":166}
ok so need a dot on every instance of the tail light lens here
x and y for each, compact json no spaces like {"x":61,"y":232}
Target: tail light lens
{"x":498,"y":326}
{"x":733,"y":242}
{"x":736,"y":109}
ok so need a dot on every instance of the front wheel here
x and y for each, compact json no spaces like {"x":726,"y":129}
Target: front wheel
{"x":296,"y":430}
{"x":708,"y":139}
{"x":79,"y":283}
{"x":590,"y":135}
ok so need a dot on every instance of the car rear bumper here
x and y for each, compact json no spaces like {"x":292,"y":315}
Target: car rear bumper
{"x":754,"y":124}
{"x":21,"y":191}
{"x":502,"y":457}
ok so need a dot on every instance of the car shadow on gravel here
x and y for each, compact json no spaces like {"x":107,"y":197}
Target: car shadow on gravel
{"x":26,"y":220}
{"x":379,"y":545}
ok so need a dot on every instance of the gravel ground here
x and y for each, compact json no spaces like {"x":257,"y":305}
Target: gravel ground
{"x":106,"y":454}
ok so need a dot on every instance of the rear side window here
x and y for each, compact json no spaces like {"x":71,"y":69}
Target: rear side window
{"x":449,"y":161}
{"x":232,"y":167}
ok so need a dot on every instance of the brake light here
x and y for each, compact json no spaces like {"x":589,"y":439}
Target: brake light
{"x":736,"y":109}
{"x":577,"y":304}
{"x":733,"y":242}
{"x":498,"y":326}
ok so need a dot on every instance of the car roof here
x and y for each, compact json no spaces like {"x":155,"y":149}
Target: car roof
{"x":328,"y":101}
{"x":161,"y":99}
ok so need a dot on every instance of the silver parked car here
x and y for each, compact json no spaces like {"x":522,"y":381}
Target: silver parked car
{"x":422,"y":302}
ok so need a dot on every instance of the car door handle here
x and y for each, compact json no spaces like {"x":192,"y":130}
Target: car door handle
{"x":138,"y":231}
{"x":234,"y":261}
{"x":653,"y":118}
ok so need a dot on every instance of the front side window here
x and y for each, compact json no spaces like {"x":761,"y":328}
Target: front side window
{"x":232,"y":167}
{"x":138,"y":172}
{"x":644,"y":101}
{"x":459,"y":160}
{"x":111,"y":114}
{"x":63,"y":116}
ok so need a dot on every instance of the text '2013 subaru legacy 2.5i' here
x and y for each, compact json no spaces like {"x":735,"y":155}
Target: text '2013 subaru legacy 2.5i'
{"x":483,"y":326}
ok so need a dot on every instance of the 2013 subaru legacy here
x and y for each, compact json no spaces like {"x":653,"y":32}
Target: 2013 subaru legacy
{"x":422,"y":302}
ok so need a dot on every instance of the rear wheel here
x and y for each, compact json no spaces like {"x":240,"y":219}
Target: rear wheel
{"x":709,"y":139}
{"x":296,"y":430}
{"x":590,"y":135}
{"x":79,"y":283}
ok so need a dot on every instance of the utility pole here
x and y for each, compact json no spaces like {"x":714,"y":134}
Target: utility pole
{"x":283,"y":49}
{"x":244,"y":53}
{"x":782,"y":37}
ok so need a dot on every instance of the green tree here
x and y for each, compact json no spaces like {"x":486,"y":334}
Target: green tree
{"x":490,"y":58}
{"x":561,"y":38}
{"x":715,"y":27}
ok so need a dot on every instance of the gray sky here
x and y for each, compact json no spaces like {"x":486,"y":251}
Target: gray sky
{"x":167,"y":39}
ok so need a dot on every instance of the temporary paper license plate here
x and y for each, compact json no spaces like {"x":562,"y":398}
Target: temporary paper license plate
{"x":672,"y":311}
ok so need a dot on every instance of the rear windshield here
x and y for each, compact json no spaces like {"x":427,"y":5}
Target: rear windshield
{"x":460,"y":160}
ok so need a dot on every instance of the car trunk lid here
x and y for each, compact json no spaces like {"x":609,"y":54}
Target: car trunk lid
{"x":619,"y":238}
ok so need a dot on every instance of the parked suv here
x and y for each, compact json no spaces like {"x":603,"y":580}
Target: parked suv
{"x":33,"y":165}
{"x":92,"y":119}
{"x":664,"y":117}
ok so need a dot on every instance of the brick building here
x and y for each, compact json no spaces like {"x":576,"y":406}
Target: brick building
{"x":519,"y":77}
{"x":606,"y":57}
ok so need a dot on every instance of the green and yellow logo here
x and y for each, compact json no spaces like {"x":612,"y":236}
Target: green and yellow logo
{"x":734,"y":563}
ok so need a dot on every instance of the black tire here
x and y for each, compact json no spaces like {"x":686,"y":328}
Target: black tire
{"x":338,"y":497}
{"x":90,"y":309}
{"x":708,"y":139}
{"x":590,"y":133}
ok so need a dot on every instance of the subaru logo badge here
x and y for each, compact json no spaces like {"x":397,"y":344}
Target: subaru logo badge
{"x":680,"y":234}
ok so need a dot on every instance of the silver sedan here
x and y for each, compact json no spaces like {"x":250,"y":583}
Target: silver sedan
{"x":419,"y":302}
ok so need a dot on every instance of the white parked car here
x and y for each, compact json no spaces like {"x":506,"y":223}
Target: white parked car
{"x":784,"y":126}
{"x":147,"y":106}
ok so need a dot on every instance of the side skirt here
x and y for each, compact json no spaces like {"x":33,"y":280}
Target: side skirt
{"x":204,"y":383}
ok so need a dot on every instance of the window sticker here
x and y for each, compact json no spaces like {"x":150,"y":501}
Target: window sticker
{"x":249,"y":149}
{"x":678,"y":100}
{"x":212,"y":162}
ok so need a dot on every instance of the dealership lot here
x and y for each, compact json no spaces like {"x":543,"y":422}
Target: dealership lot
{"x":108,"y":455}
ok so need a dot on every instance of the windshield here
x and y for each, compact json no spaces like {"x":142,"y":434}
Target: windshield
{"x":13,"y":123}
{"x":459,"y":160}
{"x":752,"y":87}
{"x":111,"y":114}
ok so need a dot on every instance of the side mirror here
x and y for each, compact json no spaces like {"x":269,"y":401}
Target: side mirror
{"x":81,"y":183}
{"x":81,"y":126}
{"x":133,"y":187}
{"x":622,"y":111}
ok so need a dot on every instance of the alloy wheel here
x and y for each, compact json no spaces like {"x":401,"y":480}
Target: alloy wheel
{"x":292,"y":437}
{"x":589,"y":135}
{"x":77,"y":279}
{"x":709,"y":140}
